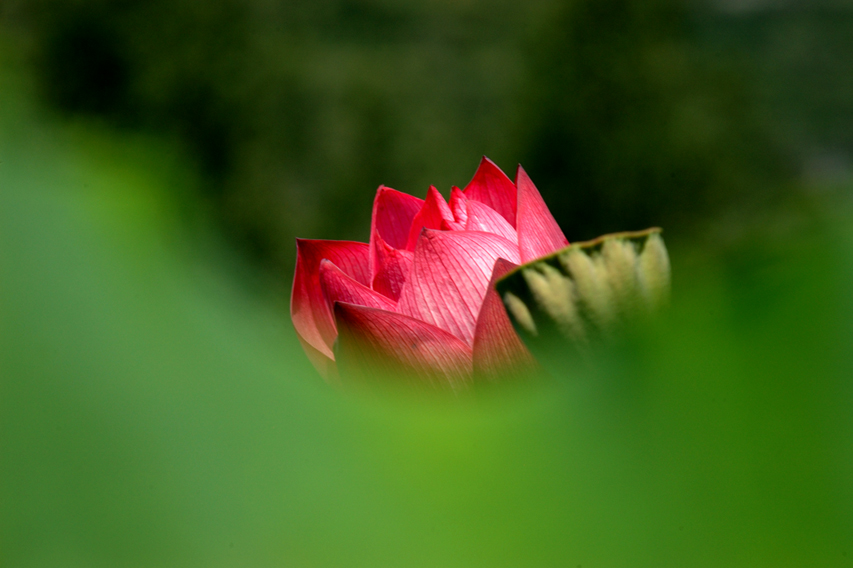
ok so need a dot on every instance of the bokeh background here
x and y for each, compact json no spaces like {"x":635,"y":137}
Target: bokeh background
{"x":157,"y":160}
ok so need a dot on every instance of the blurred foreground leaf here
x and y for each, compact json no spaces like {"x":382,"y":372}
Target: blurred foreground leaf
{"x":154,"y":413}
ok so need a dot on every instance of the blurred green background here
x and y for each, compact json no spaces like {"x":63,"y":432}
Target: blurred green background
{"x":157,"y":160}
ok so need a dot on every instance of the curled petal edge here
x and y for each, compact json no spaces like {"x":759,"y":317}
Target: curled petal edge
{"x":311,"y":316}
{"x":338,"y":287}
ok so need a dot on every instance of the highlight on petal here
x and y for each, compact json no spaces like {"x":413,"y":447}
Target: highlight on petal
{"x":374,"y":343}
{"x":490,"y":186}
{"x":498,"y":352}
{"x":449,"y":276}
{"x":391,"y":268}
{"x":484,"y":218}
{"x":434,"y":211}
{"x":309,"y":311}
{"x":338,"y":287}
{"x":393,"y":212}
{"x":538,"y":232}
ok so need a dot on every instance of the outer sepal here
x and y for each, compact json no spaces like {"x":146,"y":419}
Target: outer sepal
{"x":309,"y":311}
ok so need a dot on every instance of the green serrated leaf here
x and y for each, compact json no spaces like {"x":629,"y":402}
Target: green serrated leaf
{"x":589,"y":289}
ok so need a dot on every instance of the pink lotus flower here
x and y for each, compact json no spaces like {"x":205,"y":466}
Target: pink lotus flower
{"x":418,"y":301}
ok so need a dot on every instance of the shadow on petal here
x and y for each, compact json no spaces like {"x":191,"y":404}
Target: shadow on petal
{"x":376,"y":345}
{"x":391,"y":269}
{"x":498,"y":352}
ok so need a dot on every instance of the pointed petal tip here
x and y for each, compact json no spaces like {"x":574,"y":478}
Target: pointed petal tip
{"x":433,"y":234}
{"x":487,"y":160}
{"x":491,"y":186}
{"x":324,"y":364}
{"x":502,"y":266}
{"x":384,"y":190}
{"x":433,"y":193}
{"x":434,"y":212}
{"x":538,"y":231}
{"x":302,"y":243}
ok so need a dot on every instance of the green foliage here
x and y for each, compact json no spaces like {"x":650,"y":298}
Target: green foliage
{"x":297,"y":111}
{"x":637,"y":124}
{"x":153,"y":414}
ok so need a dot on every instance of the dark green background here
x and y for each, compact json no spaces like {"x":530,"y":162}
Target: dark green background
{"x":157,"y":410}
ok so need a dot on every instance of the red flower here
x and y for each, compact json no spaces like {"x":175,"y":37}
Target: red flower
{"x":418,"y":301}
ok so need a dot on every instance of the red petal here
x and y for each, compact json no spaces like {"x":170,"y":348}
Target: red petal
{"x":451,"y":226}
{"x":392,"y":268}
{"x":376,"y":342}
{"x":431,"y":215}
{"x":538,"y":232}
{"x":498,"y":351}
{"x":448,"y":279}
{"x":393,"y":212}
{"x":484,"y":218}
{"x":458,"y":205}
{"x":490,"y":186}
{"x":338,"y":287}
{"x":308,"y":309}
